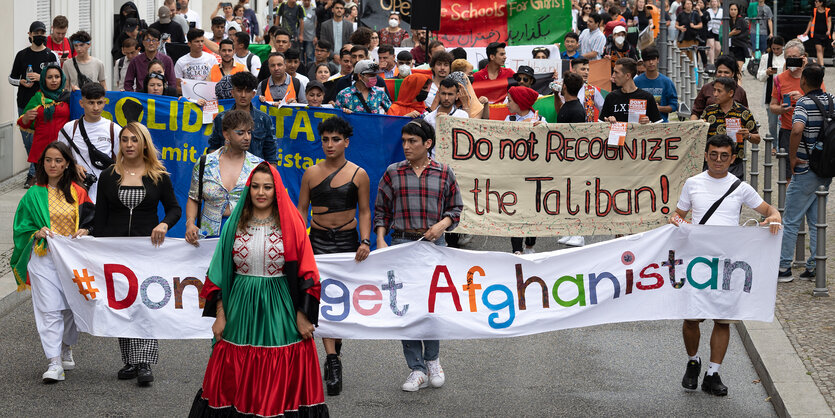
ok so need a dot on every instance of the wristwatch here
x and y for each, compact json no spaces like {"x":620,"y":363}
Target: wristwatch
{"x":366,"y":241}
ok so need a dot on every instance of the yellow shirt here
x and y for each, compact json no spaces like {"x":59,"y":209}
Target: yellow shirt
{"x":62,"y":215}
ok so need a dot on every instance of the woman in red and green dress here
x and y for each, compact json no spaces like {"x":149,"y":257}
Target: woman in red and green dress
{"x":47,"y":111}
{"x":263,"y":287}
{"x":56,"y":205}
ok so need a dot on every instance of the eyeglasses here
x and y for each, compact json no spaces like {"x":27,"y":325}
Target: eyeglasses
{"x":240,"y":132}
{"x":715,"y":156}
{"x":151,"y":40}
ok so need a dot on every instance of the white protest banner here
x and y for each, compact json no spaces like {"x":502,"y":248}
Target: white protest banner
{"x":422,"y":291}
{"x":562,"y":179}
{"x":124,"y":287}
{"x":198,"y":89}
{"x":516,"y":56}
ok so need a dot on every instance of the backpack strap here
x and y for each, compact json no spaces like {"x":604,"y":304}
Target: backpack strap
{"x":112,"y":143}
{"x":248,"y":62}
{"x":824,"y":115}
{"x":716,"y":204}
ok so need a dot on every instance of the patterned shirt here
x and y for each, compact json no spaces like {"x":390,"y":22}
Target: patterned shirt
{"x":215,"y":196}
{"x":377,"y":100}
{"x":62,"y":215}
{"x":406,"y":201}
{"x":807,"y":113}
{"x":393,"y":39}
{"x":716,"y":118}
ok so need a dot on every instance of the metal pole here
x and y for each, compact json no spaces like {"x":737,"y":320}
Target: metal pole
{"x":755,"y":169}
{"x":820,"y":251}
{"x":767,"y":164}
{"x":774,"y":10}
{"x":663,"y":53}
{"x":800,"y":245}
{"x":782,"y":155}
{"x":726,"y":20}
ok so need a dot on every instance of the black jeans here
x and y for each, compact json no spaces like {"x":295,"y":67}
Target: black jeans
{"x":516,"y":243}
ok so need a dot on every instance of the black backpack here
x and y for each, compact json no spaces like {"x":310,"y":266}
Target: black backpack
{"x":822,"y":154}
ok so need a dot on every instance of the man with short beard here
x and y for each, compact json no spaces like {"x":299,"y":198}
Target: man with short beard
{"x":440,"y":65}
{"x":227,"y":65}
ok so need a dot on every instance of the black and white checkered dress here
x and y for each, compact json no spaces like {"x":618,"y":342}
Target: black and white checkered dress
{"x":136,"y":350}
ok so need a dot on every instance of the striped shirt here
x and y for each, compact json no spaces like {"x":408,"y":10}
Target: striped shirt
{"x":406,"y":201}
{"x":592,"y":42}
{"x":807,"y":113}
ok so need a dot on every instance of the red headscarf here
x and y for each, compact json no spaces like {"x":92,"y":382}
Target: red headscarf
{"x":409,"y":89}
{"x":523,"y":96}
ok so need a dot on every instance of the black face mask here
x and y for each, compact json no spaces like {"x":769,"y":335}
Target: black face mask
{"x":38,"y":40}
{"x":422,"y":96}
{"x":794,"y":62}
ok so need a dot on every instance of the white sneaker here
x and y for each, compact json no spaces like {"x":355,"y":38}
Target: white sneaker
{"x":563,"y":240}
{"x":576,"y":241}
{"x":55,"y":373}
{"x":528,"y":250}
{"x":67,"y":362}
{"x":436,"y":373}
{"x":416,"y":380}
{"x":517,"y":253}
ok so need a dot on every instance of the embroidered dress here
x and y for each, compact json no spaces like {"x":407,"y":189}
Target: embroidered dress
{"x":262,"y":366}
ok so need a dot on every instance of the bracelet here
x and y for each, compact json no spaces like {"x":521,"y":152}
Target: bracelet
{"x":366,"y":241}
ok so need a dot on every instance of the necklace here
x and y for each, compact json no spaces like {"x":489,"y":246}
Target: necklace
{"x":262,"y":221}
{"x":421,"y":167}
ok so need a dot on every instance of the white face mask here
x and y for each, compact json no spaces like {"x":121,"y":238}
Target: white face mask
{"x":394,"y":23}
{"x":619,"y":40}
{"x":793,"y":68}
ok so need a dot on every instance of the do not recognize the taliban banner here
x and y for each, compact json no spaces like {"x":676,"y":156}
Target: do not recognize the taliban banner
{"x":563,"y":179}
{"x":127,"y":288}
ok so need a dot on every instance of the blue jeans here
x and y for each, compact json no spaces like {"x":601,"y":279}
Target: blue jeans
{"x":27,"y":143}
{"x":773,"y":127}
{"x":418,"y":352}
{"x":801,"y":200}
{"x":307,"y":54}
{"x":763,"y":39}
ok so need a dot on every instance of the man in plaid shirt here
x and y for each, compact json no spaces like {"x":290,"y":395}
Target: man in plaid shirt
{"x":418,"y":199}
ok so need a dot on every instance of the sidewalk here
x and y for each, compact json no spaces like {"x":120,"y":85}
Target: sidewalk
{"x":11,"y":191}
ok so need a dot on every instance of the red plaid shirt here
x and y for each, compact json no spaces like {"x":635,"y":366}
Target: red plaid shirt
{"x":406,"y":201}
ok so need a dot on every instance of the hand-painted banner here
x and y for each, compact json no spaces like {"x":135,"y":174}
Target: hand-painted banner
{"x":124,"y":287}
{"x":516,"y":22}
{"x":562,"y":179}
{"x":180,"y":136}
{"x":532,"y":22}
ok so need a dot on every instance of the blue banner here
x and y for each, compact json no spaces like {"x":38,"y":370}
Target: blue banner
{"x":177,"y":128}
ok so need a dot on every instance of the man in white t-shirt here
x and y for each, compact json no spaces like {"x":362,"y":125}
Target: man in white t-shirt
{"x":101,"y":133}
{"x":243,"y":56}
{"x":197,"y":65}
{"x":192,"y":17}
{"x":698,"y":195}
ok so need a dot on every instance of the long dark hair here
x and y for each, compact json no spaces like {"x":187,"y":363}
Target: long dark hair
{"x":69,"y":176}
{"x":246,"y":212}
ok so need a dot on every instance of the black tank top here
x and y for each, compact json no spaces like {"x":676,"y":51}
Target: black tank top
{"x":336,"y":199}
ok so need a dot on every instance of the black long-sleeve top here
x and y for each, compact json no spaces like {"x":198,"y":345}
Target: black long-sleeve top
{"x":114,"y":219}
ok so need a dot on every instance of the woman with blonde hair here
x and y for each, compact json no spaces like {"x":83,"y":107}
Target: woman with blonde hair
{"x":129,"y":193}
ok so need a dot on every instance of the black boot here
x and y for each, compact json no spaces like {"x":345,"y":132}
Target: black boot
{"x":338,"y":345}
{"x":334,"y":381}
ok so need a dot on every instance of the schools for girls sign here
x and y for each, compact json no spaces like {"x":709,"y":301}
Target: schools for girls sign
{"x":564,"y":179}
{"x":127,"y":288}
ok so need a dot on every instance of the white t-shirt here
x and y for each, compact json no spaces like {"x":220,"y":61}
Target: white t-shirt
{"x":303,"y":80}
{"x":432,"y":117}
{"x":192,"y":16}
{"x":99,"y":135}
{"x":256,"y":63}
{"x":701,"y":191}
{"x":433,"y":91}
{"x":190,"y":68}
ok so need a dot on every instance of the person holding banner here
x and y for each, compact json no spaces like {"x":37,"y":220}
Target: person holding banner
{"x":55,"y":205}
{"x":629,"y":104}
{"x":263,"y":289}
{"x":219,"y":178}
{"x":280,"y":87}
{"x":128,"y":196}
{"x":715,"y":197}
{"x":418,"y":199}
{"x":333,"y":227}
{"x":263,"y":143}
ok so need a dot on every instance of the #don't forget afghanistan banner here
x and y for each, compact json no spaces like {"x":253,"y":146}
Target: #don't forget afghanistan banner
{"x":563,"y":179}
{"x":180,"y":136}
{"x":125,"y":287}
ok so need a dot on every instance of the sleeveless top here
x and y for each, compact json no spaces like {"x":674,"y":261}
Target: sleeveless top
{"x":336,"y":199}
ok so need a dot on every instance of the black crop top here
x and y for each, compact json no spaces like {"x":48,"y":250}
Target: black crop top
{"x":336,"y":199}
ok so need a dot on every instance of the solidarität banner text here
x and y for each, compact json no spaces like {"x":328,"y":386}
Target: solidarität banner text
{"x":127,"y":288}
{"x":517,"y":179}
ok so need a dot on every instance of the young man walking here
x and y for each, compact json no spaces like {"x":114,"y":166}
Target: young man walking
{"x":263,"y":143}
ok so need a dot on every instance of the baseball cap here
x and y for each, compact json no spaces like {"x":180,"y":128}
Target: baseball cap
{"x":314,"y":84}
{"x":524,"y":69}
{"x":367,"y":67}
{"x":619,"y":29}
{"x":131,"y":23}
{"x":164,"y":15}
{"x":36,"y":26}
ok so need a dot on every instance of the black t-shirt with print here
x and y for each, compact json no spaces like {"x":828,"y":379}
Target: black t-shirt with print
{"x":617,"y":104}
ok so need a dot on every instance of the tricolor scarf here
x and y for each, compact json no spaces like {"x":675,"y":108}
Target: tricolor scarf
{"x":33,"y":214}
{"x":46,"y":98}
{"x":299,"y":264}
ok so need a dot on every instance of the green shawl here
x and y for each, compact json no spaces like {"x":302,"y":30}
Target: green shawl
{"x":32,"y":214}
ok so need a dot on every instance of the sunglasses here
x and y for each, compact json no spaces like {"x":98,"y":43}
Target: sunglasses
{"x":524,"y":79}
{"x":158,"y":76}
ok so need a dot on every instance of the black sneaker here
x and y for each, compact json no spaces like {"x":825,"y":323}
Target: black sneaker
{"x":713,"y":385}
{"x":691,"y":376}
{"x":807,"y":275}
{"x":30,"y":181}
{"x":784,"y":276}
